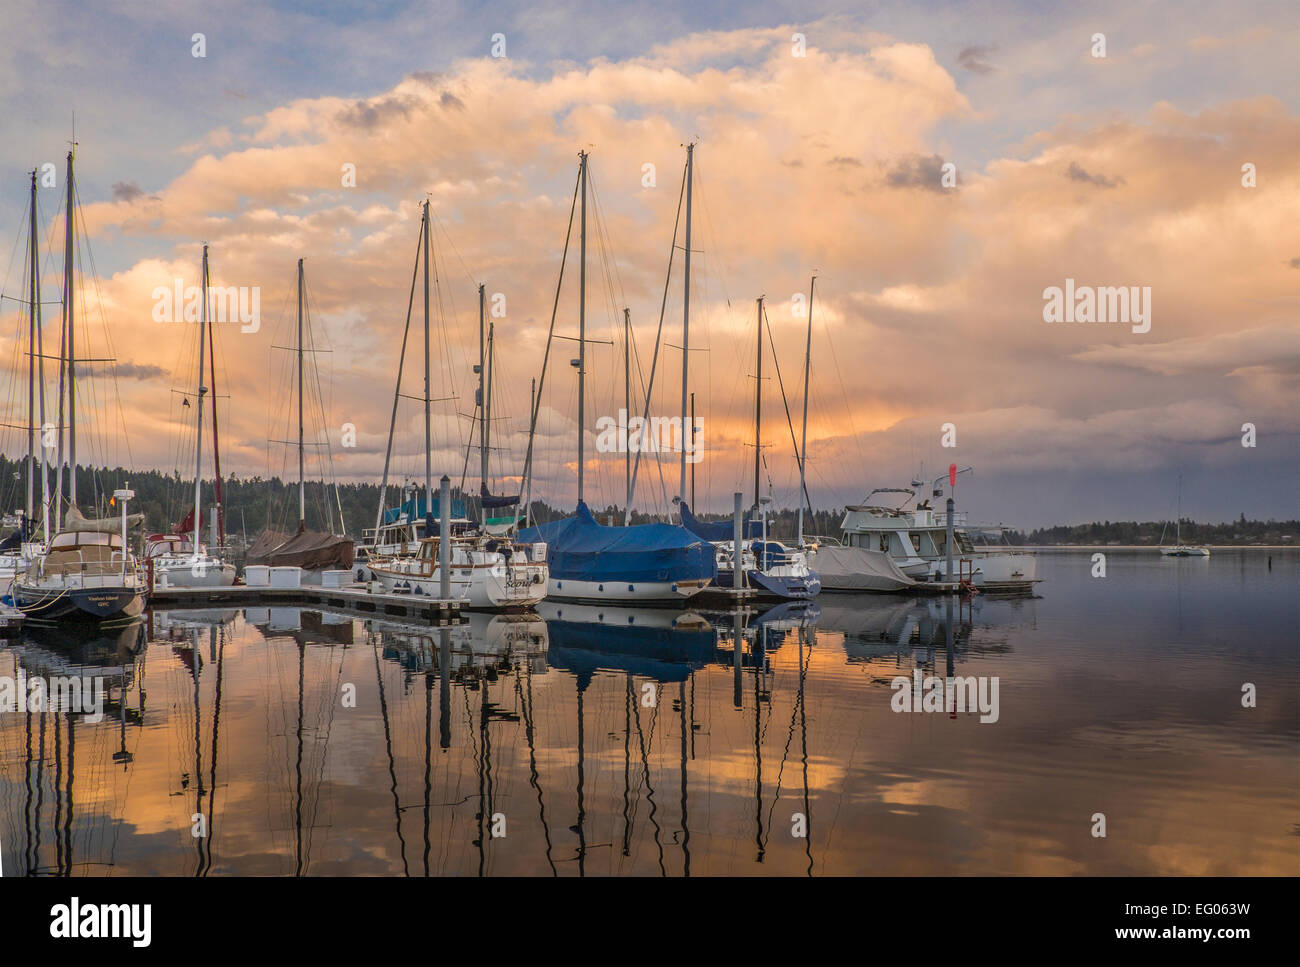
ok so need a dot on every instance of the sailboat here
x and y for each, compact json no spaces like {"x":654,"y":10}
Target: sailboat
{"x":641,"y":563}
{"x":488,"y":570}
{"x":19,"y":548}
{"x":174,"y":560}
{"x":88,"y":571}
{"x":771,"y":569}
{"x":312,"y":551}
{"x":1180,"y":549}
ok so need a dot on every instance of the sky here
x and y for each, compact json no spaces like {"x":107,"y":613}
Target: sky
{"x":1115,"y":146}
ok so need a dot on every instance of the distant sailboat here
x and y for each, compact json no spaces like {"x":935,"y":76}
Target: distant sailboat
{"x":1179,"y":549}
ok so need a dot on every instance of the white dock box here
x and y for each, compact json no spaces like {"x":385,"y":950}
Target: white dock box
{"x":257,"y":576}
{"x":335,"y":579}
{"x":286,"y":577}
{"x":539,"y":552}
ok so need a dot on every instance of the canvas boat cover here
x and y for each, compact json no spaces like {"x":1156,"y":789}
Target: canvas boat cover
{"x":306,"y":549}
{"x":579,"y":548}
{"x":74,"y":521}
{"x":493,"y":503}
{"x":721,"y":530}
{"x":858,"y":569}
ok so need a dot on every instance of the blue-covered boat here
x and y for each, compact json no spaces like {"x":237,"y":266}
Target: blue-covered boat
{"x":642,"y":563}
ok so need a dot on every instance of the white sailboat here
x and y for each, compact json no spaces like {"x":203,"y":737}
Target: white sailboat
{"x":173,"y":560}
{"x":1179,"y":549}
{"x":488,"y":572}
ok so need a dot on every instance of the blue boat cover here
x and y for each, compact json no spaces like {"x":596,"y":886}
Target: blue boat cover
{"x":721,"y":530}
{"x":579,"y":548}
{"x":414,"y":510}
{"x":494,"y":503}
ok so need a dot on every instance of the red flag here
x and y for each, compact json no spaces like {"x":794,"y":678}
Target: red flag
{"x":952,"y":475}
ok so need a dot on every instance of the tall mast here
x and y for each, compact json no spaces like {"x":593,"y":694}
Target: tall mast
{"x":482,"y":400}
{"x":627,"y":400}
{"x":1178,"y":524}
{"x":198,"y":415}
{"x":38,"y":348}
{"x":686,"y":310}
{"x":803,"y":442}
{"x":34,"y":308}
{"x":582,"y":323}
{"x":528,"y":481}
{"x":302,"y":486}
{"x":216,"y":444}
{"x":69,"y":303}
{"x":487,"y":403}
{"x":428,"y":457}
{"x":758,"y":405}
{"x":692,"y":441}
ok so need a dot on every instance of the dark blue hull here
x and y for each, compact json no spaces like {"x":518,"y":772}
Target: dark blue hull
{"x":778,"y":588}
{"x":80,"y":604}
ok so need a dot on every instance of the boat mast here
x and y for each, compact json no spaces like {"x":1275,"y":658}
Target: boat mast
{"x":69,"y":303}
{"x":582,"y":321}
{"x":302,"y":486}
{"x":39,"y":348}
{"x":216,"y":447}
{"x":627,"y":399}
{"x":33,"y":309}
{"x":686,"y":311}
{"x":482,"y":401}
{"x":428,"y":457}
{"x":803,"y":443}
{"x":1178,"y":523}
{"x":198,"y":414}
{"x":487,"y":403}
{"x":758,"y":407}
{"x":692,"y":439}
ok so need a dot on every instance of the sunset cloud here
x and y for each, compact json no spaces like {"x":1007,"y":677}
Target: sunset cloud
{"x":929,"y":300}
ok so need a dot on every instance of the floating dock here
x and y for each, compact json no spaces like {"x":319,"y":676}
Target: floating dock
{"x":355,"y":598}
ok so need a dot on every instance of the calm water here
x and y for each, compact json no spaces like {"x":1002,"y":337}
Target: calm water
{"x":603,"y":741}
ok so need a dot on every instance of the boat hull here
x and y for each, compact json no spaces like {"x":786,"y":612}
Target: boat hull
{"x":186,"y":576}
{"x":636,"y":592}
{"x":776,"y":587}
{"x":78,"y":604}
{"x":995,"y":573}
{"x":483,"y":591}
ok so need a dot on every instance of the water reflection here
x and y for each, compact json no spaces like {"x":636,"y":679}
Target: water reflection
{"x":605,"y":741}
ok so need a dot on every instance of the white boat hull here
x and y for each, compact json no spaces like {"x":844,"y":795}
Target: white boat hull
{"x":184,"y":575}
{"x":643,"y":592}
{"x":1183,"y":550}
{"x":992,"y":572}
{"x":482,"y":590}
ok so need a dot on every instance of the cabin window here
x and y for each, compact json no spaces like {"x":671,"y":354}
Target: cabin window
{"x":916,"y":542}
{"x":884,"y":543}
